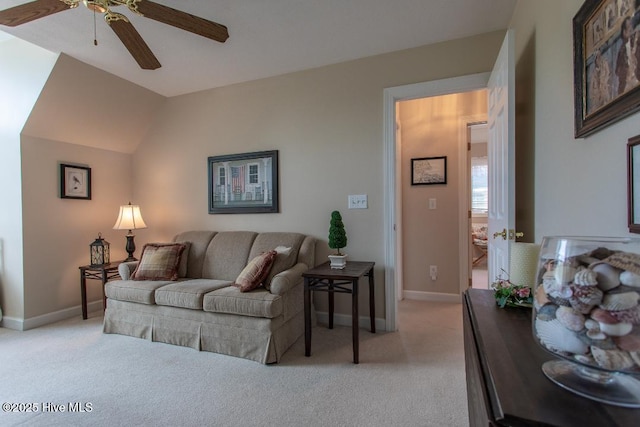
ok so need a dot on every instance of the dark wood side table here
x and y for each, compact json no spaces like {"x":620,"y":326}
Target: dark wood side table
{"x":325,"y":279}
{"x":505,"y":382}
{"x":104,"y":273}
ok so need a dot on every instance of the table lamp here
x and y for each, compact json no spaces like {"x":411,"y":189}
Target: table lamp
{"x":130,"y":219}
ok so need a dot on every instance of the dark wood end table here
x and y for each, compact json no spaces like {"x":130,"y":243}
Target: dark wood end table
{"x":104,"y":273}
{"x":323,"y":278}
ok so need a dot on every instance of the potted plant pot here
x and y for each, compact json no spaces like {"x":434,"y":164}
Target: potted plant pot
{"x":338,"y":261}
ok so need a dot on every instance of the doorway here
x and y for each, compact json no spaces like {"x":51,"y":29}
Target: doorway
{"x":478,"y":170}
{"x":393,"y":177}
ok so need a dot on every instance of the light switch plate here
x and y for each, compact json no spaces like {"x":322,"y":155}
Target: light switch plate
{"x":358,"y":201}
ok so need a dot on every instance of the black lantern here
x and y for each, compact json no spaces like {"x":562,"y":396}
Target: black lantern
{"x":99,"y":251}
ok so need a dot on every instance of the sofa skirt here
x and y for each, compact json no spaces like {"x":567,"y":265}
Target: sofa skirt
{"x":254,"y":338}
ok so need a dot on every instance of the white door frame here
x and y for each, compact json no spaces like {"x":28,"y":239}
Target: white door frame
{"x":392,"y":205}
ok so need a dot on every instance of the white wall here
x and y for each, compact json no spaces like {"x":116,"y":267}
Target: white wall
{"x":23,"y":73}
{"x":58,"y":232}
{"x":580,"y":184}
{"x":45,"y":238}
{"x":327,"y":124}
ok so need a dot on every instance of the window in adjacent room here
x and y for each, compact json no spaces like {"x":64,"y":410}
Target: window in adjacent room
{"x":479,"y":186}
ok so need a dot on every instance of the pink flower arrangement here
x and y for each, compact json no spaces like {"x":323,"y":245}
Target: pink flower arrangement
{"x":509,"y":294}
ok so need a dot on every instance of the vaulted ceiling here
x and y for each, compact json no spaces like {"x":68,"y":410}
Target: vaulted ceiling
{"x":266,"y":37}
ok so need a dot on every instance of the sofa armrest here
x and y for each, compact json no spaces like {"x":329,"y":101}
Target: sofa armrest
{"x":126,"y":269}
{"x":286,"y":280}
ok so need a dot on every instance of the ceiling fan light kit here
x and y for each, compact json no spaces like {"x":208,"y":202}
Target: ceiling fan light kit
{"x":119,"y":23}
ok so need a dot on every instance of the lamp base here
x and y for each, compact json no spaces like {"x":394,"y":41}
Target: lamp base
{"x":130,"y":247}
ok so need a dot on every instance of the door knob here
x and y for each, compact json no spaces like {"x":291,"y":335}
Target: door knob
{"x":502,"y":233}
{"x":515,"y":234}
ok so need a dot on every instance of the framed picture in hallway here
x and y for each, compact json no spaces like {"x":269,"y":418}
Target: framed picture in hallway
{"x":244,"y":183}
{"x":606,"y":34}
{"x":633,"y":184}
{"x":75,"y":182}
{"x":429,"y":170}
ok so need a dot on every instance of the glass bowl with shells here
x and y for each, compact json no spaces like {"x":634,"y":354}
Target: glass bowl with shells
{"x":586,"y":311}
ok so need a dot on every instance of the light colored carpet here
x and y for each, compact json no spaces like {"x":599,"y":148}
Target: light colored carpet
{"x":413,"y":377}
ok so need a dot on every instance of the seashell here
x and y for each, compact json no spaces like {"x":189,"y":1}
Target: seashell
{"x":601,"y":253}
{"x":557,"y":338}
{"x":587,"y":360}
{"x":631,"y":315}
{"x":596,"y":334}
{"x":619,"y":301}
{"x":629,"y":342}
{"x":603,"y":316}
{"x":608,"y":277}
{"x":547,"y":312}
{"x":616,"y":329}
{"x":570,"y":318}
{"x":540,"y":297}
{"x":585,"y":277}
{"x":592,"y":325}
{"x":614,"y":360}
{"x":625,"y":261}
{"x":559,"y":301}
{"x":630,"y":278}
{"x":584,"y":298}
{"x":564,"y":273}
{"x":597,"y":339}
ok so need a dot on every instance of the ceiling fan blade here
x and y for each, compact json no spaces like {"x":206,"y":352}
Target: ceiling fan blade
{"x":31,"y":11}
{"x":132,"y":40}
{"x":185,"y":21}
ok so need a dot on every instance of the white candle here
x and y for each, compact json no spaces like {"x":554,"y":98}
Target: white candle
{"x":524,"y":263}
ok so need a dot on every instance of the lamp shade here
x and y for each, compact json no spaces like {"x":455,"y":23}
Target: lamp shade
{"x":129,"y":218}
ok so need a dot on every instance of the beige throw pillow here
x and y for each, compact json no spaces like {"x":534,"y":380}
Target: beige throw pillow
{"x":255,"y":272}
{"x":159,"y":261}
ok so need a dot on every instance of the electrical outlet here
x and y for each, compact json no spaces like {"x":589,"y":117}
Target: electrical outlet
{"x":433,"y":272}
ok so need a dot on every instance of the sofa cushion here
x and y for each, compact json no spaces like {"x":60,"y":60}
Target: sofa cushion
{"x":141,"y":291}
{"x":228,"y":254}
{"x":255,"y":272}
{"x":195,"y":254}
{"x":184,"y":259}
{"x":188,"y":293}
{"x":159,"y":261}
{"x":257,"y":303}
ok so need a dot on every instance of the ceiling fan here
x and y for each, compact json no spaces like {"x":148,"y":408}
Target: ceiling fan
{"x":119,"y":23}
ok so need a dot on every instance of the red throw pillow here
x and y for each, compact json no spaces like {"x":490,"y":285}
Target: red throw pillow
{"x":255,"y":272}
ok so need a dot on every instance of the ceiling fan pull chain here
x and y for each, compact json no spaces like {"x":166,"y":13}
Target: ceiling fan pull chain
{"x":95,"y":32}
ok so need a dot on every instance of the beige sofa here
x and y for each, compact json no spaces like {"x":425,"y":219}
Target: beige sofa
{"x":202,"y":309}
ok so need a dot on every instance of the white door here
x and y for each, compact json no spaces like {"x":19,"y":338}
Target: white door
{"x":501,"y":159}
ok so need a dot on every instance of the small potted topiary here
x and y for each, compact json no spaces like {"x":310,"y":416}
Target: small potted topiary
{"x":337,"y":240}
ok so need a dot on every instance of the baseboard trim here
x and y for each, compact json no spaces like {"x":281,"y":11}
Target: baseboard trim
{"x":345,"y":320}
{"x":431,"y":296}
{"x":45,"y":319}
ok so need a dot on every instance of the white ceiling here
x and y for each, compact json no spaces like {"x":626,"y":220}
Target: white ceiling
{"x":266,"y":37}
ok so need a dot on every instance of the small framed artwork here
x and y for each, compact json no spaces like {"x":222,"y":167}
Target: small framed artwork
{"x":75,"y":182}
{"x":633,"y":184}
{"x":244,"y":183}
{"x":429,"y":170}
{"x":606,"y":67}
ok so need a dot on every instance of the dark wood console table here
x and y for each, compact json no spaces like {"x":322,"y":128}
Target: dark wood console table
{"x":505,"y":383}
{"x":103,"y":273}
{"x":323,"y":278}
